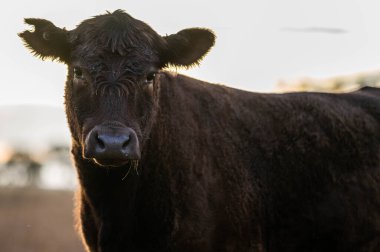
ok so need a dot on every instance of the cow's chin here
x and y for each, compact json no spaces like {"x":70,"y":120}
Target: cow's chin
{"x":111,"y":162}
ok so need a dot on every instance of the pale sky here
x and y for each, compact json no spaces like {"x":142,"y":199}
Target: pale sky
{"x":259,"y":42}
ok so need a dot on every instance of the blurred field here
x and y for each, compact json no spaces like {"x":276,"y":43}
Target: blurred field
{"x":34,"y":220}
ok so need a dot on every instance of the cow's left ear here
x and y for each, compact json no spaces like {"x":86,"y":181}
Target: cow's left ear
{"x":188,"y":47}
{"x":47,"y":40}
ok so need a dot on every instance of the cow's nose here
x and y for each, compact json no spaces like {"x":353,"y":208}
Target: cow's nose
{"x":109,"y":145}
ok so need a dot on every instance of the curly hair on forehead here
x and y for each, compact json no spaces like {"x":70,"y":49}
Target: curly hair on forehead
{"x":117,"y":32}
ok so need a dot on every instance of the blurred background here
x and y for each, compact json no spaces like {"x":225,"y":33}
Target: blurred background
{"x":262,"y":46}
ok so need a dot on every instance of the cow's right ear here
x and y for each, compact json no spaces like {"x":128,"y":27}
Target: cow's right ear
{"x":47,"y":40}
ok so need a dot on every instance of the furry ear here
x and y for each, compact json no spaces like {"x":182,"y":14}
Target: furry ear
{"x":189,"y":46}
{"x":47,"y":40}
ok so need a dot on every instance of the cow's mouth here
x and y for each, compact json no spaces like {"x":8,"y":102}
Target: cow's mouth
{"x":111,"y":162}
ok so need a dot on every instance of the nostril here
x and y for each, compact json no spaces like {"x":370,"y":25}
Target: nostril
{"x":126,"y":143}
{"x":100,"y":142}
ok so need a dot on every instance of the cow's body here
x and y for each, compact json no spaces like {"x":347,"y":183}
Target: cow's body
{"x":219,"y":169}
{"x":228,"y":170}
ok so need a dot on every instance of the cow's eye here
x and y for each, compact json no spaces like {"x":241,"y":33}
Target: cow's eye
{"x":78,"y":74}
{"x":150,"y":78}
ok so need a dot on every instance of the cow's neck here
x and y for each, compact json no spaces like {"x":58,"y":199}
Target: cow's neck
{"x":130,"y":206}
{"x":109,"y":191}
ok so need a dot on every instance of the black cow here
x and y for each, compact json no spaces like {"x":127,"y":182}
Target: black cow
{"x":170,"y":163}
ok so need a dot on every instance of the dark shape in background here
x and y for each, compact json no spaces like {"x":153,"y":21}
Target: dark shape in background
{"x":22,"y":167}
{"x":328,"y":30}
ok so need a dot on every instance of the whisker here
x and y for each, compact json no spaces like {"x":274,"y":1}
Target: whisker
{"x":129,"y":169}
{"x":136,"y":164}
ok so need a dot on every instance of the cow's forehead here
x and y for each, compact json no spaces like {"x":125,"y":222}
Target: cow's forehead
{"x":116,"y":33}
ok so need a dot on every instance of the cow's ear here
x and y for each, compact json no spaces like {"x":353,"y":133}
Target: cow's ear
{"x":189,"y":46}
{"x":47,"y":40}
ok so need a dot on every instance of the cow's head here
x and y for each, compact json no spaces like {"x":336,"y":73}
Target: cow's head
{"x":113,"y":78}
